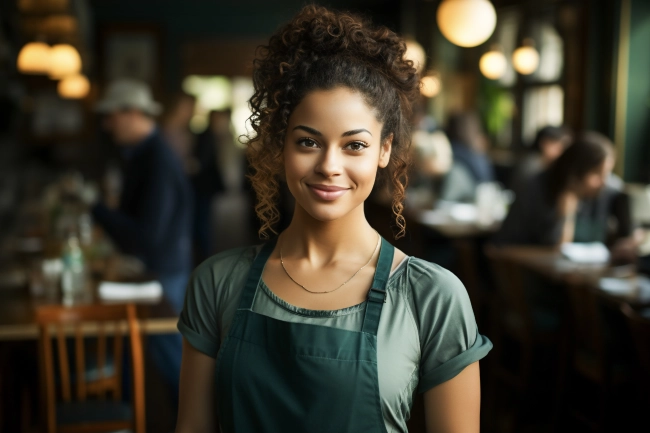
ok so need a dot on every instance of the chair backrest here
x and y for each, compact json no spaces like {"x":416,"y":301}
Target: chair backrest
{"x":57,"y":322}
{"x":640,"y":329}
{"x":587,"y":327}
{"x":509,"y":281}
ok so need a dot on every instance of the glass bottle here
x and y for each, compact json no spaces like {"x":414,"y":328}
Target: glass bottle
{"x":73,"y":278}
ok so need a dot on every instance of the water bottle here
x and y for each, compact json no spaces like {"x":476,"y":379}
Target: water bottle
{"x":73,"y":278}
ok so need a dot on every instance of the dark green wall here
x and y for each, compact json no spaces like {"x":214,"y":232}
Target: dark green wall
{"x":637,"y":130}
{"x":599,"y":72}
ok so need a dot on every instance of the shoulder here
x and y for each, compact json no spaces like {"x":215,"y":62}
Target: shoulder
{"x":430,"y":284}
{"x":225,"y":265}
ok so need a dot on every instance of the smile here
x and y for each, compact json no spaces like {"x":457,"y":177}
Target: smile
{"x":328,"y":192}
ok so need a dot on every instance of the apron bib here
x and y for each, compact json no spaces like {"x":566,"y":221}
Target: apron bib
{"x":276,"y":376}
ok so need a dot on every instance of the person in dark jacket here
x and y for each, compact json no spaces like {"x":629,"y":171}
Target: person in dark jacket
{"x":154,"y":219}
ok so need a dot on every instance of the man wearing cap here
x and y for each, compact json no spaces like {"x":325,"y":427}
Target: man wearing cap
{"x":154,"y":217}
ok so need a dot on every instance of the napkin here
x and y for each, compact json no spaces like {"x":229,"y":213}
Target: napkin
{"x":628,"y":287}
{"x":114,"y":291}
{"x":594,"y":252}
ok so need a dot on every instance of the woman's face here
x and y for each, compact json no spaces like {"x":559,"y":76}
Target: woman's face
{"x":552,"y":149}
{"x":595,"y":180}
{"x":332,"y":150}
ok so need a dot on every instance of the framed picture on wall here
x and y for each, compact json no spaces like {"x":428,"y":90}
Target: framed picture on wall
{"x":131,"y":51}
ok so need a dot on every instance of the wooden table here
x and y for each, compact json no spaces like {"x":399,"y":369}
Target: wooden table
{"x":17,"y":321}
{"x":550,"y":263}
{"x":451,"y":228}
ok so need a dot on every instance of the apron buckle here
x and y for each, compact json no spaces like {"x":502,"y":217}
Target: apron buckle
{"x":377,"y":295}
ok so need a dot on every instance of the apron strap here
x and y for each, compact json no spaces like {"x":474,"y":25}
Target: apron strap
{"x":254,"y":275}
{"x":377,"y":293}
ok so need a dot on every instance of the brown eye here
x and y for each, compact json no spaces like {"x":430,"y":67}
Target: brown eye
{"x":307,"y":142}
{"x":356,"y":146}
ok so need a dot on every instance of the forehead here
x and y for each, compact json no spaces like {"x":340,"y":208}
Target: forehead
{"x":333,"y":111}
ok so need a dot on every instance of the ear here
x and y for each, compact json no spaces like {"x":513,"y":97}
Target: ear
{"x":384,"y":152}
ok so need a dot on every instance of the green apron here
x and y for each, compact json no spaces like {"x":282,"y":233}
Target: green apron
{"x":276,"y":376}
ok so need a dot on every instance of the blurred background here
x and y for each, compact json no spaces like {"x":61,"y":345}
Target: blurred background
{"x":521,"y":100}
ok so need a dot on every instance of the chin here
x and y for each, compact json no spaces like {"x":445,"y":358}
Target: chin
{"x":325,"y":215}
{"x":329,"y":211}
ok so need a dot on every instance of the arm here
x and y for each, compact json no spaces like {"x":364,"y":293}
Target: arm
{"x":196,"y":409}
{"x":567,"y":208}
{"x":455,"y":405}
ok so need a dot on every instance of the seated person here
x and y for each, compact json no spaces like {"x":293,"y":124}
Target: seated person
{"x":432,"y":159}
{"x":549,"y":144}
{"x":471,"y":165}
{"x":571,"y":201}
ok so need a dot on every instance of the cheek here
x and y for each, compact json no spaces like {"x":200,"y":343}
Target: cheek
{"x":594,"y":181}
{"x":295,"y":167}
{"x":363,"y":171}
{"x":553,"y":150}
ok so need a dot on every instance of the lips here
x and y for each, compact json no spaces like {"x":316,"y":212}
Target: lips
{"x":328,"y":192}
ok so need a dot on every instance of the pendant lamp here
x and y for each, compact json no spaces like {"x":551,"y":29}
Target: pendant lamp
{"x":493,"y":64}
{"x":466,"y":23}
{"x":430,"y":85}
{"x":416,"y":54}
{"x":34,"y":58}
{"x":74,"y":86}
{"x":525,"y":59}
{"x":64,"y":60}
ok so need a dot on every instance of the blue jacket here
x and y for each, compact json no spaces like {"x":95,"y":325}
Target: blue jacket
{"x":154,"y":219}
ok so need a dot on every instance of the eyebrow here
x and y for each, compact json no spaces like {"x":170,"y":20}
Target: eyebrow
{"x":318,"y":133}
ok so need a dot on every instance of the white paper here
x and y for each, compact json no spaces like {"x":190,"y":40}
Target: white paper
{"x":594,"y":252}
{"x":115,"y":291}
{"x":638,"y":287}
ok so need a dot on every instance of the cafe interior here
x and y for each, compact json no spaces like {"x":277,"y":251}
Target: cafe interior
{"x":508,"y":90}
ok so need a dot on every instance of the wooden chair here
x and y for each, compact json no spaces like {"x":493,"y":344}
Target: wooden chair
{"x":513,"y":320}
{"x":640,"y":329}
{"x":590,"y":358}
{"x":91,"y":411}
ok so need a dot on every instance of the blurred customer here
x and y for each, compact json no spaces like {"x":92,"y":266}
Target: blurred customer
{"x":549,"y":144}
{"x":471,"y":165}
{"x":176,"y":126}
{"x":571,"y":200}
{"x":432,"y":159}
{"x":154,"y":217}
{"x":207,"y":179}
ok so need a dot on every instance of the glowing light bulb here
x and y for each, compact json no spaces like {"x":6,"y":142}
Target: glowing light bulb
{"x":73,"y":87}
{"x":34,"y":58}
{"x":430,"y":86}
{"x":64,"y":60}
{"x":466,"y":23}
{"x":493,"y":64}
{"x":525,"y":59}
{"x":416,"y":54}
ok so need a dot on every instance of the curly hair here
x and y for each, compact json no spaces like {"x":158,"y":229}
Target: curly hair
{"x":321,"y":49}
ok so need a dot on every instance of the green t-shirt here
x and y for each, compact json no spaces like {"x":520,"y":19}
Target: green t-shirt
{"x":427,"y":331}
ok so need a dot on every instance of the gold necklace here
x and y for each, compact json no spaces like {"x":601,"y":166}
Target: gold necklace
{"x":348,"y":280}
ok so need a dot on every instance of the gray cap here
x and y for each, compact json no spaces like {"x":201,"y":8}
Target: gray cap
{"x":128,"y":93}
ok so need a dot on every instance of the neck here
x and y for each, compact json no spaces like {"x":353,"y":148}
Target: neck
{"x":326,"y":241}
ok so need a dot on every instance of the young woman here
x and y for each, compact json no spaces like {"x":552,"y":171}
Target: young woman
{"x":571,"y":201}
{"x":328,"y":328}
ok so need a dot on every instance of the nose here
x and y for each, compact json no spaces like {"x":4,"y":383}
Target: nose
{"x":330,"y":162}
